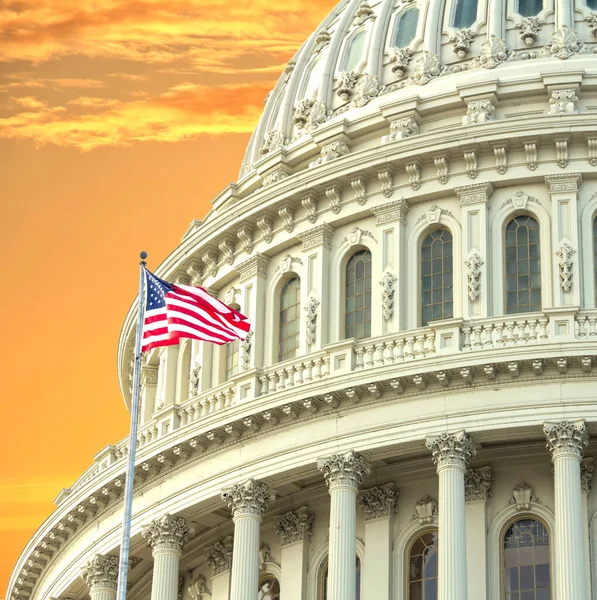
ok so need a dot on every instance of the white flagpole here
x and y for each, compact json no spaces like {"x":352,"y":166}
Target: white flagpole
{"x":123,"y":565}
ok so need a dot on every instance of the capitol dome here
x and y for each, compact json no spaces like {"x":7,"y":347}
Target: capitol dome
{"x":413,"y":237}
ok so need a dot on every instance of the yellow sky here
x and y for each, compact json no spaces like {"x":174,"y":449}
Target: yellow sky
{"x":119,"y":122}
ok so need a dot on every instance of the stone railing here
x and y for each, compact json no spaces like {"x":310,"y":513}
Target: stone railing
{"x":295,"y":372}
{"x":532,"y":328}
{"x":215,"y":400}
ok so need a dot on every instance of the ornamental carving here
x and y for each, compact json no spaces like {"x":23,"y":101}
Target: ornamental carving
{"x":210,"y":258}
{"x":366,"y":89}
{"x":149,"y":374}
{"x":564,"y":43}
{"x":295,"y":526}
{"x":245,"y":236}
{"x":309,"y":203}
{"x":493,"y":53}
{"x":473,"y":274}
{"x":363,"y":14}
{"x":391,"y":211}
{"x":197,"y":588}
{"x":386,"y":180}
{"x":309,"y":114}
{"x":522,"y":496}
{"x":387,"y":295}
{"x":226,"y":247}
{"x":265,"y":556}
{"x":427,"y":68}
{"x":256,"y":266}
{"x":101,"y":572}
{"x":266,"y":226}
{"x":219,"y":558}
{"x":286,"y":263}
{"x":168,"y":533}
{"x":479,"y":111}
{"x":566,"y":437}
{"x":286,"y":213}
{"x":288,"y":70}
{"x":452,"y":449}
{"x":462,"y":40}
{"x":347,"y":469}
{"x":277,"y":175}
{"x":402,"y":129}
{"x":592,"y":21}
{"x":347,"y":82}
{"x":425,"y":510}
{"x":400,"y":60}
{"x":318,"y":236}
{"x":477,"y":484}
{"x":246,"y":346}
{"x":311,"y":319}
{"x":563,"y":102}
{"x":529,"y":30}
{"x":195,"y":272}
{"x":586,"y":474}
{"x":564,"y":254}
{"x":274,"y":140}
{"x":322,"y":40}
{"x":379,"y":502}
{"x":194,"y":379}
{"x":248,"y":498}
{"x":330,"y":152}
{"x":359,"y":187}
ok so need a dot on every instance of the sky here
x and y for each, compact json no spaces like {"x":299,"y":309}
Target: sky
{"x":120,"y":121}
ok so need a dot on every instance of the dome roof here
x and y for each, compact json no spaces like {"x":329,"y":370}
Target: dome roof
{"x":367,"y":49}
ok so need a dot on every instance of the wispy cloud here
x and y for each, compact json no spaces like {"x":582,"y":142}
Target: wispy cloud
{"x":90,"y":102}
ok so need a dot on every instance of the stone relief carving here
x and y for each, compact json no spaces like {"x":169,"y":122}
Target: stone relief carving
{"x":564,"y":254}
{"x":219,"y":558}
{"x":529,"y":30}
{"x":363,"y":14}
{"x":286,"y":213}
{"x":462,"y":40}
{"x":169,"y":532}
{"x":522,"y":496}
{"x":427,"y":68}
{"x":273,"y":140}
{"x":287,"y":262}
{"x":198,"y":587}
{"x":566,"y":437}
{"x":277,"y":175}
{"x":413,"y":170}
{"x":309,"y":114}
{"x":330,"y":152}
{"x":265,"y":556}
{"x":493,"y":53}
{"x":388,"y":281}
{"x":473,"y":273}
{"x":359,"y":187}
{"x":479,"y":111}
{"x":586,"y":474}
{"x":248,"y":498}
{"x":441,"y":165}
{"x":309,"y":203}
{"x":563,"y":102}
{"x":311,"y":319}
{"x":246,"y":346}
{"x":386,"y":179}
{"x":379,"y":502}
{"x":400,"y":60}
{"x":101,"y":572}
{"x":226,"y":247}
{"x":425,"y":510}
{"x":194,"y":379}
{"x":348,"y":469}
{"x":245,"y":235}
{"x":477,"y":484}
{"x":501,"y":159}
{"x":530,"y":150}
{"x":367,"y":88}
{"x":564,"y":43}
{"x":355,"y":235}
{"x":434,"y":215}
{"x":454,"y":449}
{"x":401,"y":129}
{"x":295,"y":526}
{"x":266,"y":226}
{"x":347,"y":82}
{"x":322,"y":40}
{"x":334,"y":196}
{"x":592,"y":21}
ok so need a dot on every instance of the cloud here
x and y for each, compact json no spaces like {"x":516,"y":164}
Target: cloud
{"x":89,"y":102}
{"x":183,"y":112}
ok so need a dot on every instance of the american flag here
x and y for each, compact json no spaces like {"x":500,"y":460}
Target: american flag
{"x":175,"y":311}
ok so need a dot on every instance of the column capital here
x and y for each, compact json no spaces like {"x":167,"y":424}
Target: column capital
{"x":348,"y":469}
{"x":254,"y":266}
{"x":317,"y":236}
{"x":295,"y":526}
{"x":379,"y":502}
{"x":101,"y":572}
{"x":563,"y":182}
{"x":248,"y":498}
{"x":586,"y":474}
{"x":219,"y":557}
{"x":566,"y":437}
{"x":477,"y":484}
{"x":451,"y":449}
{"x":168,"y":533}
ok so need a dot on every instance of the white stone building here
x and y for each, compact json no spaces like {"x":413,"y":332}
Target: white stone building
{"x":414,"y":237}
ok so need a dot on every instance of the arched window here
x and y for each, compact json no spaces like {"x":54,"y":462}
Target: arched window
{"x":269,"y":588}
{"x":289,"y":319}
{"x":232,"y":352}
{"x":422,"y":567}
{"x":529,"y":8}
{"x":595,"y":254}
{"x":437,"y":285}
{"x":465,"y":14}
{"x":526,"y":562}
{"x":357,"y":315}
{"x":406,"y":28}
{"x":523,"y":265}
{"x":314,"y":80}
{"x":356,"y":48}
{"x":323,"y":592}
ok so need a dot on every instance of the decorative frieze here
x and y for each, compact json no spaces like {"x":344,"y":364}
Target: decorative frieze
{"x":451,"y":449}
{"x":248,"y":498}
{"x":563,"y":102}
{"x":168,"y":533}
{"x":149,"y":374}
{"x":348,"y":469}
{"x":295,"y":526}
{"x":426,"y":510}
{"x":387,"y":295}
{"x":311,"y":319}
{"x":391,"y":211}
{"x":586,"y":474}
{"x":566,"y":437}
{"x":473,"y":273}
{"x":563,"y":182}
{"x":318,"y":236}
{"x":564,"y":254}
{"x":219,"y":557}
{"x":479,"y":111}
{"x":477,"y":484}
{"x":266,"y":226}
{"x":474,"y":193}
{"x":256,"y":266}
{"x":101,"y":572}
{"x":379,"y":502}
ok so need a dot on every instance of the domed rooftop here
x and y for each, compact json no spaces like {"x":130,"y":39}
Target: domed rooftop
{"x":365,"y":50}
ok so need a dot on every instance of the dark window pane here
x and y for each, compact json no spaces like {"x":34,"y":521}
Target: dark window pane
{"x":289,"y":324}
{"x":357,"y":296}
{"x":437,"y":275}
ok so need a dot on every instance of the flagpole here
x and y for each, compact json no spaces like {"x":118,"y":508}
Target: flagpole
{"x":123,"y":565}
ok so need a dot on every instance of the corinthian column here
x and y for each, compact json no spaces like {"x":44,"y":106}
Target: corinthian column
{"x":566,"y":441}
{"x":343,"y":473}
{"x":101,"y":576}
{"x":248,"y":502}
{"x":451,"y":454}
{"x":167,"y":537}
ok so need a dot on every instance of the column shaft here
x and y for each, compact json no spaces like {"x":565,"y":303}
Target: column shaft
{"x":244,"y":580}
{"x":343,"y":545}
{"x":164,"y":585}
{"x":102,"y":593}
{"x":570,"y":560}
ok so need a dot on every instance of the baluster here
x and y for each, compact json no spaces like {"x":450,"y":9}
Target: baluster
{"x":378,"y":354}
{"x":182,"y":415}
{"x":420,"y":347}
{"x":466,"y":332}
{"x":510,"y":332}
{"x":229,"y":397}
{"x":477,"y":330}
{"x":532,"y":330}
{"x":308,"y":376}
{"x":273,"y":381}
{"x":221,"y":401}
{"x":399,"y":353}
{"x":264,"y":384}
{"x":543,"y":328}
{"x":498,"y":339}
{"x":360,"y":364}
{"x":289,"y":376}
{"x":212,"y":404}
{"x":388,"y":353}
{"x":298,"y":377}
{"x":369,"y":356}
{"x":326,"y":366}
{"x":317,"y":369}
{"x":592,"y":323}
{"x":281,"y":379}
{"x":430,"y":342}
{"x":205,"y":406}
{"x":488,"y":337}
{"x":410,"y":347}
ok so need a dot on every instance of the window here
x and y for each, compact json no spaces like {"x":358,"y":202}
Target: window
{"x":406,"y":28}
{"x":595,"y":254}
{"x":314,"y":80}
{"x":526,"y":564}
{"x":231,"y":359}
{"x":354,"y":56}
{"x":269,"y":588}
{"x":523,"y":265}
{"x":357,"y":316}
{"x":323,"y":592}
{"x":530,"y":8}
{"x":592,"y":4}
{"x":465,"y":14}
{"x":289,"y":319}
{"x":422,"y":568}
{"x":436,"y":277}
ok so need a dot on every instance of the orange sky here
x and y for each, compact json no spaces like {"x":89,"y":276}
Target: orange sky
{"x":110,"y":111}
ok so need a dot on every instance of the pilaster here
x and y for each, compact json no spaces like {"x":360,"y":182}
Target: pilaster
{"x":166,"y":395}
{"x":219,"y":558}
{"x":101,"y":576}
{"x":586,"y":477}
{"x":149,"y":381}
{"x":379,"y":505}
